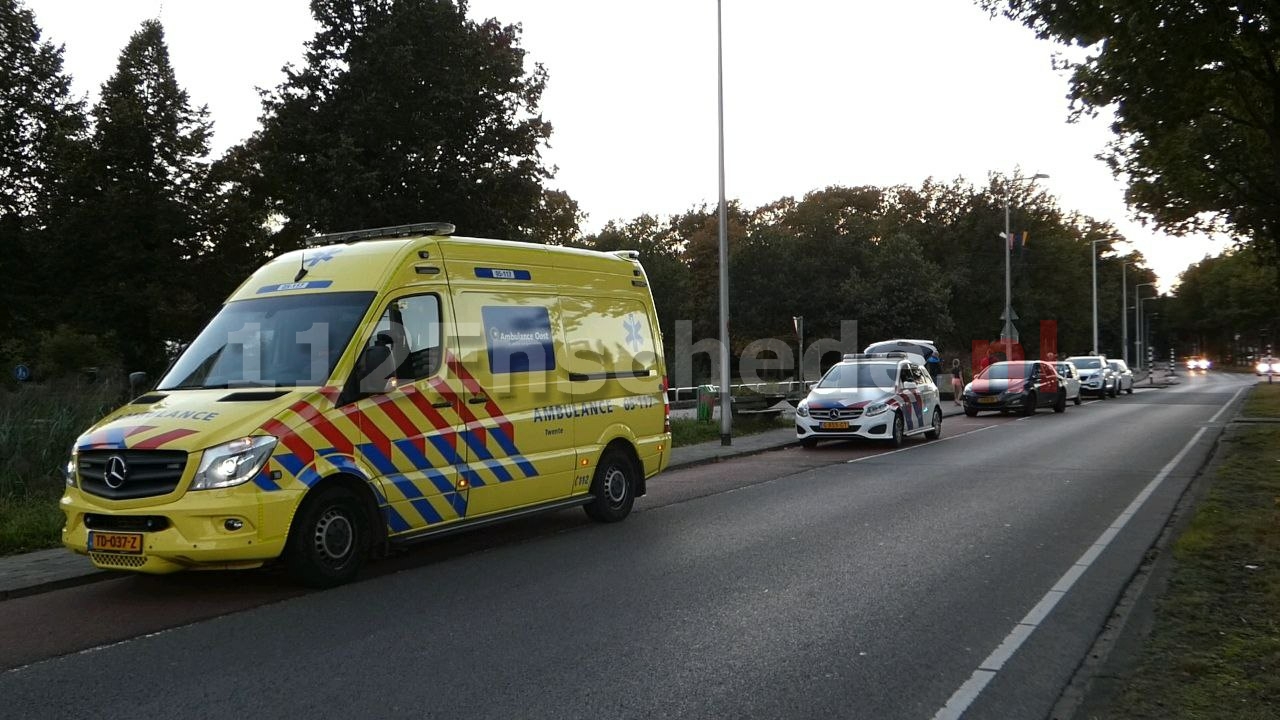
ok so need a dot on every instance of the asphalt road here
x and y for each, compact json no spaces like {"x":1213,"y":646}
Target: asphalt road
{"x":840,"y":582}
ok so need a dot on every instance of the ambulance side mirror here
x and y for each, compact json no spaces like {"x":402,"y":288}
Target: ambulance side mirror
{"x":373,"y":367}
{"x":137,"y":380}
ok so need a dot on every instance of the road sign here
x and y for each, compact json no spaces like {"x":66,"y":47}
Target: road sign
{"x":21,"y":373}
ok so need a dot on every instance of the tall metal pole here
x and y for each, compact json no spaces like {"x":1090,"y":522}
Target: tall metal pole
{"x":726,"y":401}
{"x":1140,"y":340}
{"x":1124,"y":315}
{"x":1008,"y":288}
{"x":1093,"y":250}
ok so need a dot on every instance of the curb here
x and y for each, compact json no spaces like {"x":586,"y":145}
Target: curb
{"x":92,"y":575}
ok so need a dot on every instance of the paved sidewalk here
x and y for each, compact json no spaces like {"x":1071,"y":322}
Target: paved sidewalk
{"x":45,"y":570}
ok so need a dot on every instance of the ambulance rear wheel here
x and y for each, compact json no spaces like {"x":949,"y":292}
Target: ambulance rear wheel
{"x":612,"y":488}
{"x":329,"y":539}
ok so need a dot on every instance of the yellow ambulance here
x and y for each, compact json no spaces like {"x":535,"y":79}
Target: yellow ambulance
{"x":381,"y":387}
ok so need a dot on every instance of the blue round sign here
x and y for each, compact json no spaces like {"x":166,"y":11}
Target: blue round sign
{"x":21,"y":373}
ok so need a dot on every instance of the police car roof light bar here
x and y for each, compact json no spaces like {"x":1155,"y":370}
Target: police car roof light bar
{"x":395,"y":231}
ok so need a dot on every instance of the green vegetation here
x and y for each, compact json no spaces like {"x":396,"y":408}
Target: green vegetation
{"x":1263,"y":402}
{"x":38,"y":423}
{"x":1215,"y":644}
{"x":691,"y":432}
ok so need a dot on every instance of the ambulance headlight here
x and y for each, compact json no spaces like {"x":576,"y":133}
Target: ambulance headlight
{"x":875,"y":408}
{"x":233,"y":463}
{"x":69,"y":472}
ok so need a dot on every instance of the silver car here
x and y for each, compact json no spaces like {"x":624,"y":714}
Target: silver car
{"x":1070,"y":379}
{"x":1124,"y":376}
{"x":1096,"y":376}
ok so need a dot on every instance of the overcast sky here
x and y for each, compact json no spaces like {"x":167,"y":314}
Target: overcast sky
{"x":817,"y":93}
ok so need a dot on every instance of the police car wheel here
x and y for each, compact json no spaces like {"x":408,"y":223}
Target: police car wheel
{"x":935,"y":430}
{"x":896,"y":438}
{"x":1060,"y":405}
{"x":809,"y":443}
{"x":1078,"y":400}
{"x":612,"y":489}
{"x":329,"y":539}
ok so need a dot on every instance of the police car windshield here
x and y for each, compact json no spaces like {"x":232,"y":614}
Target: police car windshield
{"x":290,"y":340}
{"x":1087,"y":363}
{"x":853,"y":376}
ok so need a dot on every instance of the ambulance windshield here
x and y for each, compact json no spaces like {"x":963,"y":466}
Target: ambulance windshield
{"x":288,"y":341}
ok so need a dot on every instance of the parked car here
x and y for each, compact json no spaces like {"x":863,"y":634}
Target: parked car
{"x":1124,"y":376}
{"x":1025,"y":386}
{"x":1096,"y":376}
{"x":1070,"y":379}
{"x":878,"y":396}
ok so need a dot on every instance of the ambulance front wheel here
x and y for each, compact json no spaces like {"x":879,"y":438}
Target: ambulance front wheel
{"x":329,"y":539}
{"x":612,"y":488}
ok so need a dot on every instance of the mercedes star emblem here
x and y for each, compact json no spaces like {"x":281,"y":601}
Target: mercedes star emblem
{"x":116,"y":472}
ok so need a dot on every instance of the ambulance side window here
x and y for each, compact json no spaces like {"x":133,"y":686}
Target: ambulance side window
{"x":410,"y":329}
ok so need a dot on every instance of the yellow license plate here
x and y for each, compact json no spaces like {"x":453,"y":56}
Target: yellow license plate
{"x":130,"y":543}
{"x":842,"y":425}
{"x":989,"y":400}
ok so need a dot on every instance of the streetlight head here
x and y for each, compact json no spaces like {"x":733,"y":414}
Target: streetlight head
{"x":1039,"y":176}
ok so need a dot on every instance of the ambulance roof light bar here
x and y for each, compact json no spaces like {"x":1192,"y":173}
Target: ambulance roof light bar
{"x":395,"y":231}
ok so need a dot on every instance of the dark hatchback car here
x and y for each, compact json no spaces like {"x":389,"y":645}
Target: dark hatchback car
{"x":1023,"y":386}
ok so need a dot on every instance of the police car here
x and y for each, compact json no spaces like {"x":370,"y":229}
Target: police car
{"x":872,"y":396}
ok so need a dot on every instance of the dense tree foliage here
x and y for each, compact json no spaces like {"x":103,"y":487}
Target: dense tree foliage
{"x":1195,"y":87}
{"x":136,"y":212}
{"x":1225,"y":307}
{"x":41,"y":125}
{"x":406,"y":111}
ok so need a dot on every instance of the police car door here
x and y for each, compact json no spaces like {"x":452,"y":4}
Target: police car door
{"x":928,"y":392}
{"x":408,"y":415}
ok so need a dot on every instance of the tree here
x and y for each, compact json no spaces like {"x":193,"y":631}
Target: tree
{"x":1195,"y":88}
{"x":136,"y":214}
{"x":41,"y":125}
{"x":406,"y":111}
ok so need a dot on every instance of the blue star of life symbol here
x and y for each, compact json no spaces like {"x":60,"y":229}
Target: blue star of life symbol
{"x":313,"y":260}
{"x":632,"y":326}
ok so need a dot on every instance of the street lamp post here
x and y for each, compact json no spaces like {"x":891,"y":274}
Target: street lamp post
{"x":1140,"y":341}
{"x":1124,"y":314}
{"x":1008,"y":333}
{"x":1093,"y":250}
{"x":726,"y":399}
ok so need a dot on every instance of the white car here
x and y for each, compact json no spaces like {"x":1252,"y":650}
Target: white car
{"x":1124,"y":376}
{"x":1070,"y":379}
{"x":1096,"y":376}
{"x":872,"y":396}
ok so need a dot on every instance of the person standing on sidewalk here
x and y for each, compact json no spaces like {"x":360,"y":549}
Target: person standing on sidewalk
{"x":957,"y":381}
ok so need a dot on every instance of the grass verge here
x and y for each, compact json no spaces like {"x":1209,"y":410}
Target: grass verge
{"x":1264,"y":401}
{"x":29,"y":523}
{"x":1214,"y":648}
{"x":691,"y":432}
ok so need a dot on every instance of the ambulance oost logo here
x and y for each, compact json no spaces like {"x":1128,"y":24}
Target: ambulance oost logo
{"x":632,"y":326}
{"x":117,"y":471}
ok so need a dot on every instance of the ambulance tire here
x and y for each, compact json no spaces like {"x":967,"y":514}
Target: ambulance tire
{"x":897,"y":433}
{"x":613,"y":488}
{"x":329,"y":540}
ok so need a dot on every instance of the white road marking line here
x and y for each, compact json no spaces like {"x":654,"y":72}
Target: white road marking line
{"x":1214,"y":419}
{"x":927,"y":443}
{"x":964,"y":696}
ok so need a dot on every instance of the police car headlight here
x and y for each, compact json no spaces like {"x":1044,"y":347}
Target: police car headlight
{"x":233,"y":463}
{"x":69,"y":472}
{"x":803,"y":409}
{"x":875,"y":408}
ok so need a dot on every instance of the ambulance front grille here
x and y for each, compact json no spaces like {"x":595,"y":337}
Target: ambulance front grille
{"x":146,"y":473}
{"x":114,"y":560}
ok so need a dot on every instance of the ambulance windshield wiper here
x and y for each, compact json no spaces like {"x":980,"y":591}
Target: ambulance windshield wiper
{"x":223,"y":386}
